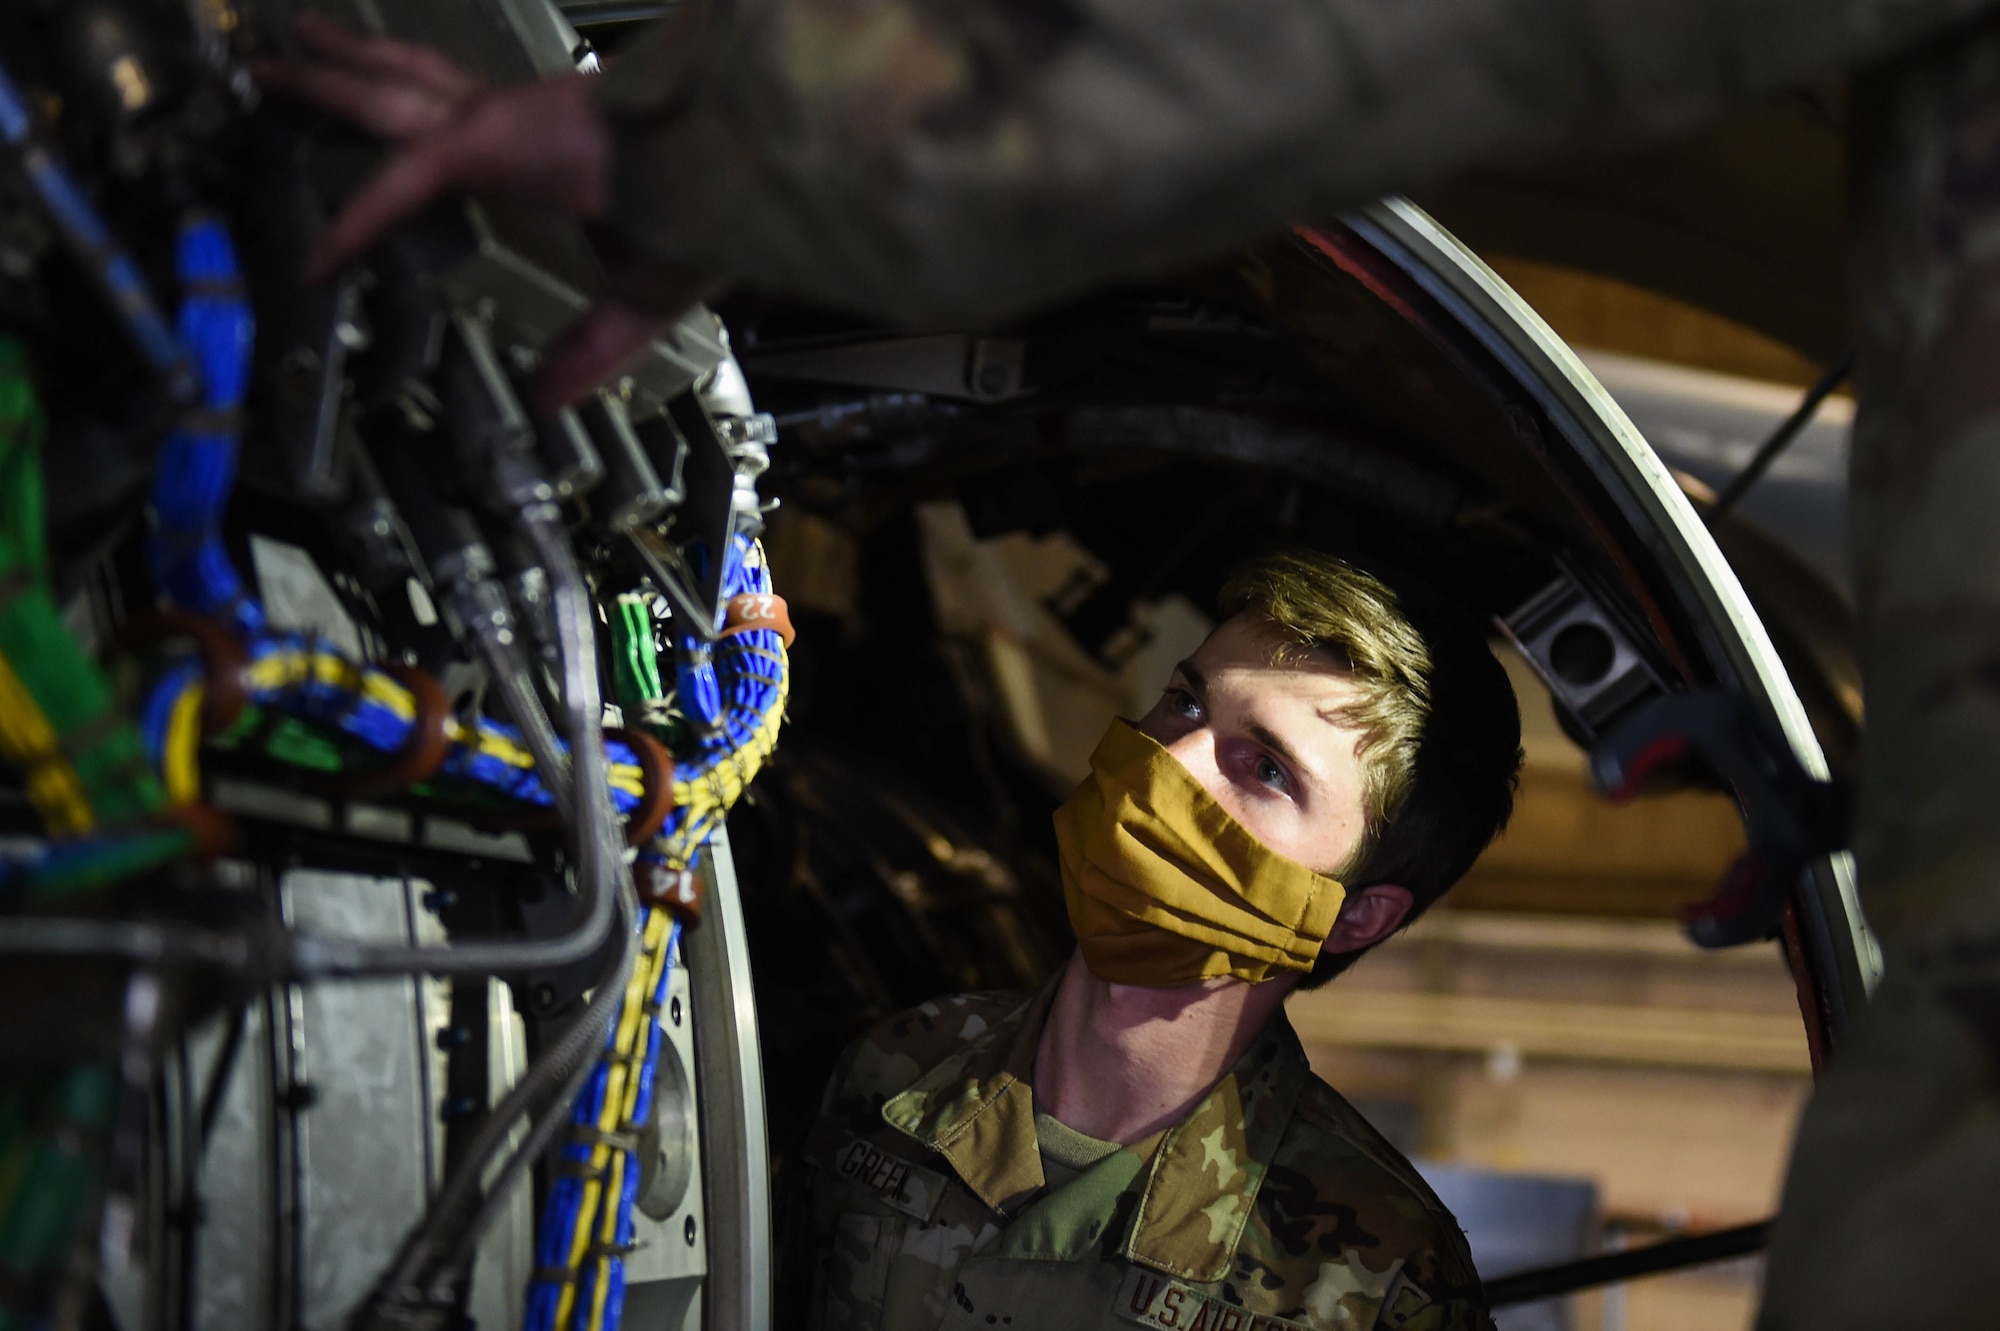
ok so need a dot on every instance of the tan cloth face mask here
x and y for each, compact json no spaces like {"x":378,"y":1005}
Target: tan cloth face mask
{"x":1165,"y":888}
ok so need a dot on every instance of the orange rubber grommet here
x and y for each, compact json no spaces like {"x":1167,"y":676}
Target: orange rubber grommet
{"x":422,"y":753}
{"x":223,"y":661}
{"x":758,"y":610}
{"x":214,"y":832}
{"x":678,"y":891}
{"x":656,"y":770}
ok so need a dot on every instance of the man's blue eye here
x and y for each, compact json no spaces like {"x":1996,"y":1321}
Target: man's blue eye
{"x":1270,"y":773}
{"x":1180,"y":700}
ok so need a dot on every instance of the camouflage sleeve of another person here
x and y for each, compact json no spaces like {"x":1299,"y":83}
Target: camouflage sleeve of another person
{"x":941,"y":162}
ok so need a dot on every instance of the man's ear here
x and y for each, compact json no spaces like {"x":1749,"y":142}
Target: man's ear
{"x":1368,"y":916}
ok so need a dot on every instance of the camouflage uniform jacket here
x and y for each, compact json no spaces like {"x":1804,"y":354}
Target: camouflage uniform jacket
{"x":945,"y":164}
{"x":922,"y":1206}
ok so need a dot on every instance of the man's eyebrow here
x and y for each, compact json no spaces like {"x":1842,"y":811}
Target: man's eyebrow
{"x":1196,"y":680}
{"x":1269,"y":739}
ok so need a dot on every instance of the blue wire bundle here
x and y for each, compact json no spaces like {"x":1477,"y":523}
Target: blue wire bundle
{"x":738,"y":715}
{"x":491,"y":757}
{"x":696,"y":687}
{"x":280,"y":679}
{"x":642,"y":1112}
{"x":197,"y":468}
{"x":556,"y":1232}
{"x":156,"y":712}
{"x":743,"y":709}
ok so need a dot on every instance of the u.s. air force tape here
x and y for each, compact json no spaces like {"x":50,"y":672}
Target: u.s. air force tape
{"x":1151,"y":1299}
{"x":908,"y":1188}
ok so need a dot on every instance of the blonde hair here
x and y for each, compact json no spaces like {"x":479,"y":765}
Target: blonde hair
{"x":1312,"y":601}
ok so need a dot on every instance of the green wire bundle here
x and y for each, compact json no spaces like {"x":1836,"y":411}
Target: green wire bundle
{"x":50,"y":1148}
{"x":117,"y":784}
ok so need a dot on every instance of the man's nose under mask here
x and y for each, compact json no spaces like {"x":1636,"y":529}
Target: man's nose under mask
{"x":1165,"y":888}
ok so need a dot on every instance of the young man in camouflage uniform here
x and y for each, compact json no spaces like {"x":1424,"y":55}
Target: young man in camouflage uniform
{"x":1142,"y":1141}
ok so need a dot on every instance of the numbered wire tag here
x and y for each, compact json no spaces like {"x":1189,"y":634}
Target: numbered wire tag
{"x":758,"y":610}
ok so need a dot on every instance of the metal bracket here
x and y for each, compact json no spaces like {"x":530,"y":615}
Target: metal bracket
{"x":1591,"y":667}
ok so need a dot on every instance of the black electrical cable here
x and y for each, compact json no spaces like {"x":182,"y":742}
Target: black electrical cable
{"x":532,"y":1148}
{"x":1760,"y":462}
{"x":161,"y":1269}
{"x":1614,"y":1267}
{"x":575,"y":620}
{"x":187,"y":1203}
{"x":218,"y":1075}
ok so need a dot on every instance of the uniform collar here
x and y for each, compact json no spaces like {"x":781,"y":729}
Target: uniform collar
{"x":977,"y":1110}
{"x":1205,"y":1175}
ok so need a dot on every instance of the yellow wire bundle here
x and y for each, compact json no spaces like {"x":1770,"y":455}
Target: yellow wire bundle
{"x":597,"y":1212}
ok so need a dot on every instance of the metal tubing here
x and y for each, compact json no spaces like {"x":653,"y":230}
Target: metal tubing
{"x":441,"y":1243}
{"x":162,"y":946}
{"x":483,"y":609}
{"x":631,"y":492}
{"x":563,"y":444}
{"x":598,"y":841}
